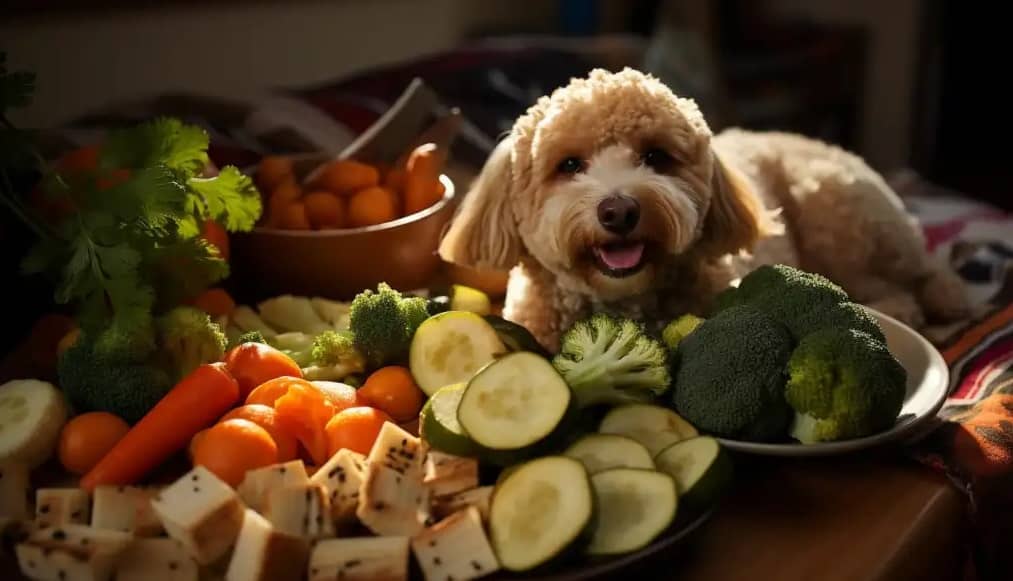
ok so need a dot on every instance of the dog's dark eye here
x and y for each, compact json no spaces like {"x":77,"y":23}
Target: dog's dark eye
{"x":658,"y":159}
{"x":570,"y":165}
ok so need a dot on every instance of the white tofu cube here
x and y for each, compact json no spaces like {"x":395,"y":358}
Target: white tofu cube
{"x":360,"y":559}
{"x":57,"y":506}
{"x":70,"y":553}
{"x":397,"y":450}
{"x":201,"y":512}
{"x":342,"y":476}
{"x":257,"y":484}
{"x":446,"y":474}
{"x":15,"y":491}
{"x":264,"y":554}
{"x":455,"y":548}
{"x":477,"y":497}
{"x":392,"y":503}
{"x":125,"y":508}
{"x":159,"y":559}
{"x":303,"y":511}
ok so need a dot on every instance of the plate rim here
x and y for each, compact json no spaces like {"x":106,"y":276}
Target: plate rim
{"x":894,"y":434}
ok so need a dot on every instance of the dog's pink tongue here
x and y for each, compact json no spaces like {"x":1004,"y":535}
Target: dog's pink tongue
{"x":621,"y":256}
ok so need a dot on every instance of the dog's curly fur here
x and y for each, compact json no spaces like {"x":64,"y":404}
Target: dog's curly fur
{"x":712,"y":208}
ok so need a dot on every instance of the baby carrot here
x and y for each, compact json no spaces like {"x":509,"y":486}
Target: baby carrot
{"x":195,"y":403}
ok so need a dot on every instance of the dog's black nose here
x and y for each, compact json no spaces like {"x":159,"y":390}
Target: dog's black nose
{"x":619,"y":214}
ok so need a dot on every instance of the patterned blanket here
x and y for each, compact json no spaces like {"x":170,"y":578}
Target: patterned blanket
{"x":973,"y":443}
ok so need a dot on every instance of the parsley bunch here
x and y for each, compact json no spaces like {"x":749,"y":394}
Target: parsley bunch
{"x":127,"y":244}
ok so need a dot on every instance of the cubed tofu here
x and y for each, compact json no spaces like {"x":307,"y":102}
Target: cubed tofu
{"x":303,"y":510}
{"x":392,"y":503}
{"x":258,"y":483}
{"x":58,"y":506}
{"x":342,"y":476}
{"x":446,"y":474}
{"x":265,"y":554}
{"x":159,"y":559}
{"x":477,"y":497}
{"x":201,"y":512}
{"x":15,"y":491}
{"x":125,"y":508}
{"x":71,"y":553}
{"x":397,"y":450}
{"x":360,"y":559}
{"x":455,"y":548}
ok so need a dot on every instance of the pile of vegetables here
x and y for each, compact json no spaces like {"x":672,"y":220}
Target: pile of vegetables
{"x":787,"y":353}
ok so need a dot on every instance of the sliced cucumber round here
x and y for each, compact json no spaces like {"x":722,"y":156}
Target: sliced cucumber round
{"x":653,"y":426}
{"x":438,"y":423}
{"x":514,"y":402}
{"x":32,"y":413}
{"x":634,"y":507}
{"x":700,"y":467}
{"x":599,"y":452}
{"x":450,"y":347}
{"x":542,"y":511}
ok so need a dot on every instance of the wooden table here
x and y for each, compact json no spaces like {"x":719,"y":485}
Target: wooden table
{"x":864,"y":517}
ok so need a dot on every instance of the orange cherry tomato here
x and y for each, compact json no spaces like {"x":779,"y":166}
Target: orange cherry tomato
{"x":355,"y":429}
{"x":393,"y":390}
{"x":86,"y":438}
{"x":255,"y":363}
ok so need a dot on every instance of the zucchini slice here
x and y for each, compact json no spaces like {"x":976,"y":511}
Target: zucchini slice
{"x":634,"y":507}
{"x":450,"y":347}
{"x":542,"y":511}
{"x":514,"y":402}
{"x":700,"y":467}
{"x":600,"y":452}
{"x":653,"y":426}
{"x":515,"y":337}
{"x":438,"y":423}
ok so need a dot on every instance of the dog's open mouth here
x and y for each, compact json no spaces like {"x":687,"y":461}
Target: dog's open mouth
{"x":620,"y":258}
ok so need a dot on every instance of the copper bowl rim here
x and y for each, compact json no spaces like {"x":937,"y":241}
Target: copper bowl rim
{"x":449,"y":193}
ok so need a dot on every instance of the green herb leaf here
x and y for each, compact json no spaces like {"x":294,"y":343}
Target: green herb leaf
{"x":152,"y":196}
{"x":230,"y":198}
{"x":183,"y":269}
{"x":163,"y":141}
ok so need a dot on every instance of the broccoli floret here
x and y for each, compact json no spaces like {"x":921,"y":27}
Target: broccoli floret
{"x":122,"y":343}
{"x":843,"y":383}
{"x":334,"y":357}
{"x":678,"y":329}
{"x":729,"y":378}
{"x":189,"y":338}
{"x":94,"y":382}
{"x":383,"y":323}
{"x":608,"y":360}
{"x":251,"y":337}
{"x":331,"y":355}
{"x":804,"y":302}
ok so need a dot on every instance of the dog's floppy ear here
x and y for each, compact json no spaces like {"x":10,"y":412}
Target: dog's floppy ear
{"x":736,"y":218}
{"x":483,"y":234}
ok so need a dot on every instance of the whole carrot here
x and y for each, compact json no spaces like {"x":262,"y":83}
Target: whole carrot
{"x":195,"y":403}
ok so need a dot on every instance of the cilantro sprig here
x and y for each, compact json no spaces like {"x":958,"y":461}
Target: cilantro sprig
{"x":126,"y":244}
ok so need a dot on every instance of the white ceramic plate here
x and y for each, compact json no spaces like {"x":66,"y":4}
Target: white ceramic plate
{"x":928,"y":379}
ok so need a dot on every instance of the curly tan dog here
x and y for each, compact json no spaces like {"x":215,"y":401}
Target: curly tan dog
{"x":611,"y":194}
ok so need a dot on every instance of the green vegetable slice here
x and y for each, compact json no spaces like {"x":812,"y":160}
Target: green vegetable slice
{"x":450,"y":348}
{"x":514,"y":402}
{"x":700,"y":467}
{"x":600,"y":452}
{"x":542,"y":512}
{"x":653,"y":426}
{"x":439,"y":426}
{"x":634,"y":507}
{"x":465,"y":298}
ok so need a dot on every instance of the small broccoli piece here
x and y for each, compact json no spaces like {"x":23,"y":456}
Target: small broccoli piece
{"x":93,"y":382}
{"x":804,"y":302}
{"x":729,"y":378}
{"x":251,"y":337}
{"x":607,"y":360}
{"x":843,"y":383}
{"x":383,"y":323}
{"x":188,"y":338}
{"x":678,"y":329}
{"x":334,"y":357}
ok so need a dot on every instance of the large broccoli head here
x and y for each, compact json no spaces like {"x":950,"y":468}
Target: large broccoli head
{"x":383,"y":323}
{"x":842,"y":384}
{"x":611,"y":360}
{"x":730,"y":375}
{"x":804,"y":302}
{"x":94,"y":382}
